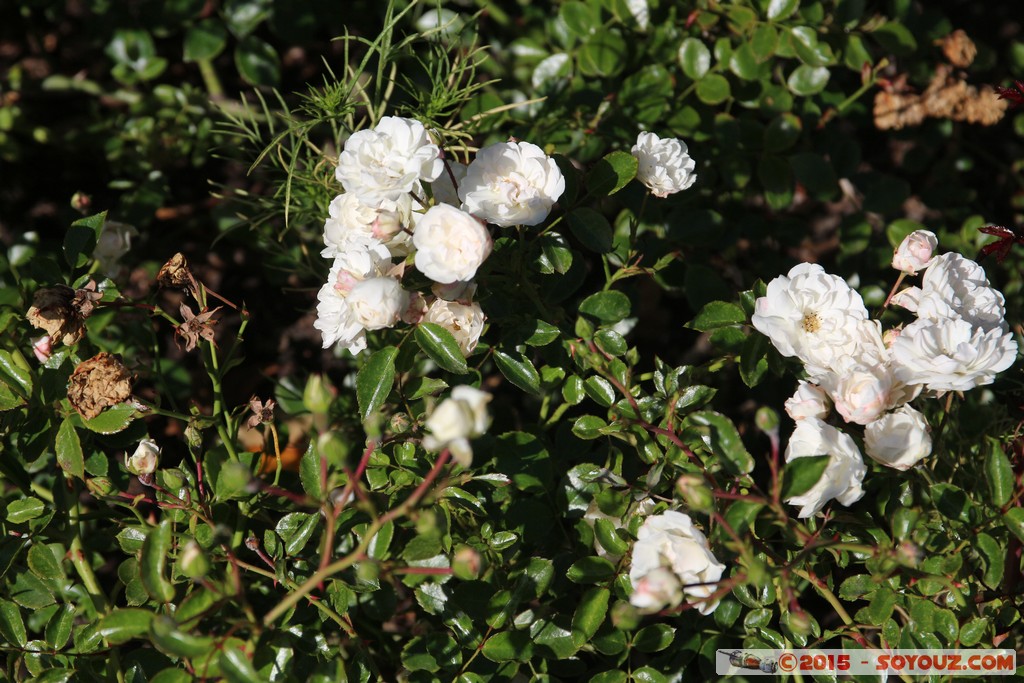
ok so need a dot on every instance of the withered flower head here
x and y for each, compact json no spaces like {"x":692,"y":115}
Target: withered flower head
{"x":195,"y":327}
{"x":98,"y":383}
{"x":61,"y":311}
{"x":262,"y":412}
{"x":959,"y":49}
{"x":175,"y":274}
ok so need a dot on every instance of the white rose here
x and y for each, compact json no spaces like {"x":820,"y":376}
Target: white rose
{"x":113,"y":242}
{"x":655,"y":590}
{"x":954,"y":286}
{"x":845,"y":471}
{"x":456,"y":420}
{"x":389,"y":161}
{"x":951,"y":355}
{"x":145,"y":458}
{"x":511,"y":183}
{"x":816,"y":317}
{"x":915,"y":252}
{"x":663,"y":165}
{"x":377,"y":302}
{"x":671,"y":541}
{"x":464,"y":321}
{"x":809,"y":400}
{"x":355,"y":224}
{"x":860,"y":392}
{"x":450,"y":244}
{"x":444,"y":190}
{"x":335,"y":318}
{"x":898,"y":439}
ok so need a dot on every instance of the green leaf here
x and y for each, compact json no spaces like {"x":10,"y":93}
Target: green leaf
{"x":20,"y":511}
{"x":237,"y":668}
{"x":309,"y":472}
{"x":881,"y":606}
{"x":694,"y":58}
{"x":440,"y":345}
{"x":998,"y":474}
{"x":604,"y":529}
{"x":800,"y":474}
{"x":295,"y":529}
{"x":611,"y":174}
{"x":717,"y":314}
{"x":257,"y":62}
{"x":753,"y":359}
{"x":713,"y":89}
{"x":808,"y":80}
{"x":588,"y":427}
{"x":12,"y":626}
{"x":112,"y":420}
{"x":776,"y":176}
{"x":764,"y":41}
{"x":744,"y":63}
{"x":508,"y":646}
{"x":993,"y":556}
{"x":122,"y":625}
{"x":591,"y":229}
{"x":895,"y":38}
{"x":205,"y":40}
{"x":1014,"y":521}
{"x":610,"y":676}
{"x":152,"y":562}
{"x":608,"y":307}
{"x":603,"y":54}
{"x":375,"y":379}
{"x":579,"y":18}
{"x":589,"y":615}
{"x":43,"y":563}
{"x":80,"y":239}
{"x":58,"y":628}
{"x":857,"y":586}
{"x":381,"y":541}
{"x":69,"y":450}
{"x":973,"y":631}
{"x":646,"y":674}
{"x":591,"y":570}
{"x":599,"y":390}
{"x":725,"y":441}
{"x":781,"y":9}
{"x":519,"y":370}
{"x":656,"y":637}
{"x":782,"y":133}
{"x":611,"y":342}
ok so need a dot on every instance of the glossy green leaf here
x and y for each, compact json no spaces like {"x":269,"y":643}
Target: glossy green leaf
{"x":647,"y":674}
{"x":609,"y":307}
{"x":591,"y":229}
{"x":725,"y":441}
{"x":764,"y":41}
{"x":205,"y":40}
{"x":599,"y":390}
{"x":998,"y":474}
{"x":603,"y":54}
{"x":24,"y":509}
{"x":717,"y":314}
{"x":993,"y":556}
{"x":122,"y":625}
{"x":440,"y":345}
{"x":753,"y":359}
{"x":12,"y":626}
{"x":309,"y":472}
{"x":694,"y":58}
{"x":296,"y":529}
{"x":605,"y":530}
{"x":69,"y":450}
{"x":713,"y":89}
{"x":895,"y":38}
{"x":519,"y":370}
{"x":153,"y":561}
{"x":1014,"y":521}
{"x":43,"y":563}
{"x":588,"y":427}
{"x":375,"y":379}
{"x":589,"y":615}
{"x":257,"y":62}
{"x":508,"y":646}
{"x":80,"y":239}
{"x":58,"y":628}
{"x":580,"y":18}
{"x":591,"y":570}
{"x":808,"y":80}
{"x":973,"y":631}
{"x":881,"y":606}
{"x":781,"y":9}
{"x":237,"y":668}
{"x":800,"y":474}
{"x":611,"y":174}
{"x":654,"y":638}
{"x":114,"y":419}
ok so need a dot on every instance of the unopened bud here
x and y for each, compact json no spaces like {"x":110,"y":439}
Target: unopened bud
{"x":799,"y":622}
{"x":908,"y":554}
{"x":81,"y":202}
{"x":145,"y":458}
{"x":466,"y":563}
{"x":42,"y":348}
{"x":695,"y":492}
{"x":915,"y":252}
{"x":400,"y":423}
{"x":767,"y":420}
{"x":318,"y":394}
{"x":192,"y":561}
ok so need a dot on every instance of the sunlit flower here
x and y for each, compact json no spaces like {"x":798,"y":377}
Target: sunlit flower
{"x":915,"y":252}
{"x":353,"y":223}
{"x":464,"y":321}
{"x":954,"y":286}
{"x":950,"y":354}
{"x":670,"y":541}
{"x":511,"y":183}
{"x":389,"y":161}
{"x":842,"y":477}
{"x":898,"y":439}
{"x":377,"y":302}
{"x":664,"y":165}
{"x":459,"y":418}
{"x":809,"y":400}
{"x":450,"y":244}
{"x":335,"y":318}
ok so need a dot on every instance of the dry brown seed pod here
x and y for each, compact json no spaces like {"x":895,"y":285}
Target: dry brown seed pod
{"x":176,"y":274}
{"x":98,"y":383}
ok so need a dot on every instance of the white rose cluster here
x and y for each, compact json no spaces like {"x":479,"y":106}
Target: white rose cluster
{"x":672,"y":561}
{"x":960,"y":340}
{"x":401,"y":200}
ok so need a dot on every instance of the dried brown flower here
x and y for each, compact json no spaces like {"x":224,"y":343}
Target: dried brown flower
{"x":61,"y":311}
{"x":262,"y":412}
{"x":98,"y":383}
{"x":947,"y":97}
{"x":196,"y":327}
{"x":959,"y":49}
{"x":176,"y":274}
